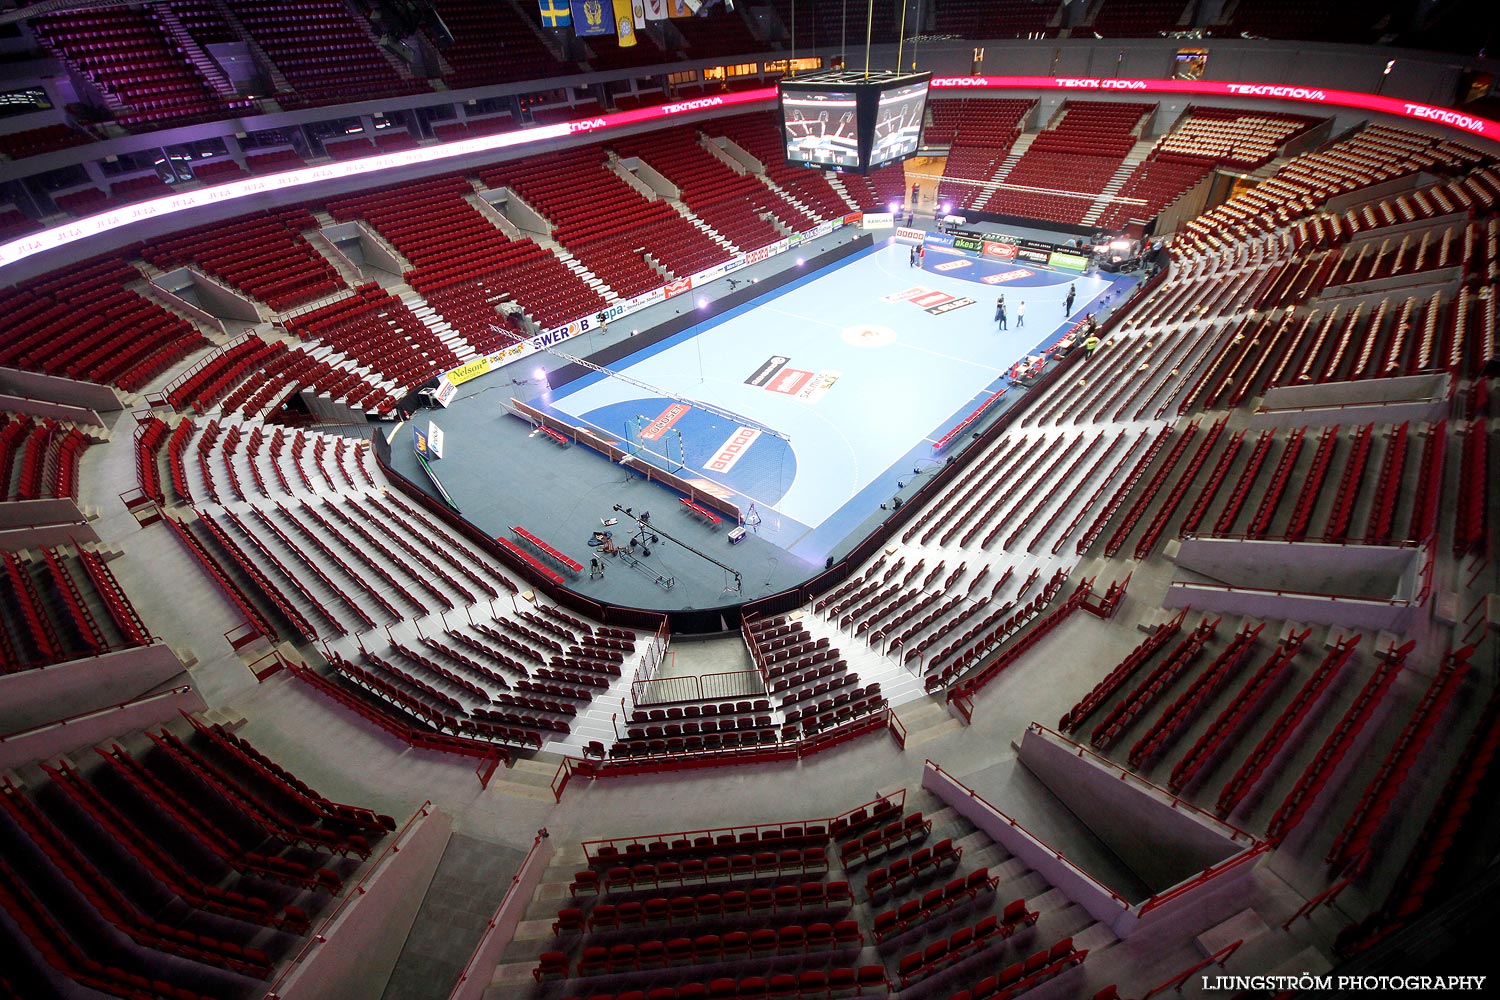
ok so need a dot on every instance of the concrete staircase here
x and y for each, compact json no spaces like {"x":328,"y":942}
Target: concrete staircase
{"x":1017,"y":150}
{"x":207,"y":67}
{"x":434,"y":321}
{"x":839,"y":189}
{"x":279,"y":83}
{"x":1132,"y":160}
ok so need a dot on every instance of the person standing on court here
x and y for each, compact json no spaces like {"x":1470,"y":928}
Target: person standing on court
{"x":1072,"y":290}
{"x":1000,"y":312}
{"x":1021,"y":314}
{"x":911,"y":260}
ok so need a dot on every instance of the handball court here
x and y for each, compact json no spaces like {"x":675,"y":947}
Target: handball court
{"x":830,"y":391}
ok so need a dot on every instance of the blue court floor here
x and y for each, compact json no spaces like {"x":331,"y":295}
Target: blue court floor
{"x":841,"y":382}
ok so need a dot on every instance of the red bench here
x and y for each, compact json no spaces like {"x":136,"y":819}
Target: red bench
{"x":702,"y":512}
{"x":557,"y":436}
{"x":572,"y":564}
{"x":546,"y":571}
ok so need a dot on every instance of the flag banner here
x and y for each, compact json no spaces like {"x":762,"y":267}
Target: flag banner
{"x":680,"y":8}
{"x":638,"y":12}
{"x":656,"y":10}
{"x":624,"y":23}
{"x":591,"y":19}
{"x":555,"y":13}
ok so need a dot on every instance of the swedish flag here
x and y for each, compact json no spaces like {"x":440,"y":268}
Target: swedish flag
{"x":555,"y":13}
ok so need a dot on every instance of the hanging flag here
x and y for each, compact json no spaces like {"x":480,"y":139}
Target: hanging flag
{"x":555,"y":13}
{"x":680,"y":8}
{"x":589,"y":19}
{"x":624,"y":23}
{"x":656,"y":10}
{"x":638,"y":13}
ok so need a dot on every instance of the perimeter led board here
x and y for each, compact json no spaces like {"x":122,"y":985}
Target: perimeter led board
{"x":850,"y":121}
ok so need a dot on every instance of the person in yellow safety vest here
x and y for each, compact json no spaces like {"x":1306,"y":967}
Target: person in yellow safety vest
{"x":1091,"y":344}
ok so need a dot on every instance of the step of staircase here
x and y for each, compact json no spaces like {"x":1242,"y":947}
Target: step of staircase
{"x":440,"y":327}
{"x":1133,"y":159}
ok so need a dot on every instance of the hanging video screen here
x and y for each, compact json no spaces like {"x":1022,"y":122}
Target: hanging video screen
{"x":898,"y":123}
{"x":820,"y":127}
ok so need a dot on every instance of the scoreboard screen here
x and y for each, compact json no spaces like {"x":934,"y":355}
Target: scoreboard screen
{"x":820,"y":128}
{"x":898,"y":123}
{"x":852,"y":122}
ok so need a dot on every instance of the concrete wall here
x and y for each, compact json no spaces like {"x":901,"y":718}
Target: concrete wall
{"x":1096,"y":899}
{"x":1344,"y":612}
{"x":46,"y":535}
{"x":62,"y":390}
{"x":354,"y":956}
{"x":659,"y":185}
{"x":30,"y":698}
{"x":475,"y":978}
{"x":1367,"y":571}
{"x":1409,"y":397}
{"x":1160,"y":841}
{"x":60,"y":737}
{"x":49,"y":510}
{"x":170,"y":298}
{"x":46,"y":408}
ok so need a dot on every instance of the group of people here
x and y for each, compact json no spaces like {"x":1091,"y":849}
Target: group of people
{"x":1000,"y":315}
{"x":918,"y":256}
{"x":1002,"y":318}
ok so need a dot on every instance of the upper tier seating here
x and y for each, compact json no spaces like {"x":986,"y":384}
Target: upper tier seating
{"x":603,"y":221}
{"x":492,"y":42}
{"x":1375,"y":153}
{"x":114,"y":335}
{"x":46,"y":139}
{"x":997,"y":18}
{"x":325,"y":52}
{"x":1129,"y":18}
{"x":1340,"y":21}
{"x":127,"y":54}
{"x":202,"y":21}
{"x":828,"y":24}
{"x":1203,"y":138}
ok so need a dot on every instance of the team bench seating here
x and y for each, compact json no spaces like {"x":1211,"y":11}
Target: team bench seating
{"x":702,"y":512}
{"x":570,"y":563}
{"x":536,"y":564}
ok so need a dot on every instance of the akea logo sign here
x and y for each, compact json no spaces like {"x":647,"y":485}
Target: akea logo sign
{"x":968,"y":243}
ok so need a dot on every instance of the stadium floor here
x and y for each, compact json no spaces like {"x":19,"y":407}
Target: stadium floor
{"x":861,"y":365}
